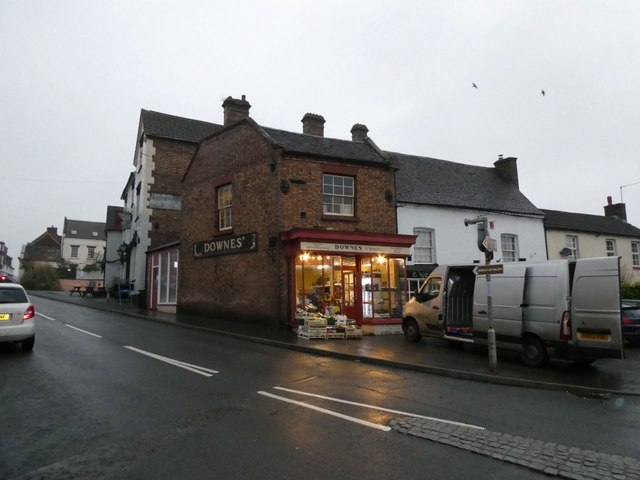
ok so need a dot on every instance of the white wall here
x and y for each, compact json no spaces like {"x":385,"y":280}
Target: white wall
{"x":456,"y":243}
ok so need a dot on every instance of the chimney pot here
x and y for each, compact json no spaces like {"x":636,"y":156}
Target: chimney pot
{"x":609,"y":200}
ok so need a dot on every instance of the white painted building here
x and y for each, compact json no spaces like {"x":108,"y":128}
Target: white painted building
{"x":435,"y":197}
{"x":83,"y":245}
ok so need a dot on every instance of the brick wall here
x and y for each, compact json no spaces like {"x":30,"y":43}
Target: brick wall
{"x":255,"y":285}
{"x":170,"y":163}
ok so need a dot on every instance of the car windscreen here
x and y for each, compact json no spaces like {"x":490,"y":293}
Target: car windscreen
{"x":13,"y":295}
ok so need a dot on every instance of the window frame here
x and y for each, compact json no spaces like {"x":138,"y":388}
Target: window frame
{"x":574,"y":249}
{"x":635,"y":255}
{"x":505,"y":239}
{"x":328,"y":207}
{"x":610,"y":247}
{"x":91,"y":252}
{"x":75,"y":251}
{"x":430,"y":256}
{"x":224,"y":206}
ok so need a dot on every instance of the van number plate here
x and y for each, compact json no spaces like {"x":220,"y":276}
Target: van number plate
{"x":593,"y":336}
{"x":5,"y":316}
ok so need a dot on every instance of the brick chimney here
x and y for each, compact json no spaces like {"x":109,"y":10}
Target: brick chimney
{"x":359,"y":132}
{"x":507,"y":169}
{"x":615,"y":210}
{"x":313,"y":124}
{"x":235,"y":110}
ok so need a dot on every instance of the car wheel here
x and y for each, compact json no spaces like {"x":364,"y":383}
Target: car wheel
{"x":533,"y":352}
{"x":27,"y":345}
{"x":411,"y":331}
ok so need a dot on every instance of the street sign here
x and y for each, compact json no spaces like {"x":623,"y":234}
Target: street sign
{"x":489,"y":269}
{"x":490,"y":244}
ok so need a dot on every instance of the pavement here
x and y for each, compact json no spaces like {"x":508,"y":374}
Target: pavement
{"x":603,"y":379}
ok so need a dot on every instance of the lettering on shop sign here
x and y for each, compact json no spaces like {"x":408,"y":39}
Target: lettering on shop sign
{"x":354,"y":248}
{"x":246,"y":242}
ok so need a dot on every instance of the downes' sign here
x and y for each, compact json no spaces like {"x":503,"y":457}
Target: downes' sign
{"x":246,"y":242}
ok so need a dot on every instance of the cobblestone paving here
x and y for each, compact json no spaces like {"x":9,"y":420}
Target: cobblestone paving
{"x":549,"y":458}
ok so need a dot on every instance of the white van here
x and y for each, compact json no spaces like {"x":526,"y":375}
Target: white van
{"x":558,"y":308}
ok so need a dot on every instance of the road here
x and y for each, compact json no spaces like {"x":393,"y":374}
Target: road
{"x":106,"y":396}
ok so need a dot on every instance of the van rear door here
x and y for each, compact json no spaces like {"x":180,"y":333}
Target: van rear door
{"x":595,"y":308}
{"x":507,"y":293}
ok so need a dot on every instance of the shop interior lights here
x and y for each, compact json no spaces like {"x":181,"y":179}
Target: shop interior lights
{"x":380,"y":259}
{"x":304,"y":257}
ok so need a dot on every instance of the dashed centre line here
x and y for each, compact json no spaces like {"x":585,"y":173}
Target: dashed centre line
{"x":207,"y":372}
{"x":83,"y":331}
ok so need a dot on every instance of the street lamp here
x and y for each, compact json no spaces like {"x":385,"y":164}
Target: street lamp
{"x":624,"y":186}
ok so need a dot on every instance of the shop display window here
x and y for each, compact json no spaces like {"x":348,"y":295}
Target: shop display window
{"x":320,"y":283}
{"x":383,"y":292}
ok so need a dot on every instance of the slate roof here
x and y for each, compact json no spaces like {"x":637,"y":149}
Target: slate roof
{"x":582,"y":222}
{"x":83,"y":229}
{"x":318,"y":146}
{"x":45,"y":248}
{"x":429,"y":181}
{"x":163,"y":125}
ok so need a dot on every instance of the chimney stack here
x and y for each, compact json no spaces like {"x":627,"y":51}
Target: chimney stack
{"x":359,"y":132}
{"x":313,"y":124}
{"x":235,"y":110}
{"x":507,"y":169}
{"x":615,"y":210}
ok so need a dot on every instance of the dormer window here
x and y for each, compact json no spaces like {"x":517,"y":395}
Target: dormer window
{"x":74,"y":232}
{"x":95,"y":234}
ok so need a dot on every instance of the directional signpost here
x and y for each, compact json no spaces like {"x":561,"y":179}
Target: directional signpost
{"x":487,"y":245}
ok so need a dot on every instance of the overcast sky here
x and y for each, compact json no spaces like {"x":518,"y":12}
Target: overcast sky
{"x":75,"y":74}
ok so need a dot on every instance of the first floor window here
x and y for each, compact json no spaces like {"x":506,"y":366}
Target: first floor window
{"x":91,"y":252}
{"x":225,"y":198}
{"x":509,"y":247}
{"x":611,"y":247}
{"x":74,"y":251}
{"x":338,"y":195}
{"x":424,"y":250}
{"x":571,"y":242}
{"x":635,"y":254}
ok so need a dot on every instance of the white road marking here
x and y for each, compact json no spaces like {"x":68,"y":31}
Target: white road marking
{"x":44,"y":316}
{"x":83,"y":331}
{"x":399,"y":412}
{"x":187,"y":366}
{"x":377,"y":426}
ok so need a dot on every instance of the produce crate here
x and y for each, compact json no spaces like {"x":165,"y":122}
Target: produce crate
{"x":312,"y":333}
{"x":353,"y":333}
{"x":335,"y":334}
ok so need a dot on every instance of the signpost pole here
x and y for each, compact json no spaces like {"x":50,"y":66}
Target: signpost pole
{"x":491,"y":333}
{"x":487,"y":245}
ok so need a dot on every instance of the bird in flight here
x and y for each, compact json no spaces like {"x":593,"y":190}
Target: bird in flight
{"x":542,"y":92}
{"x":474,"y":85}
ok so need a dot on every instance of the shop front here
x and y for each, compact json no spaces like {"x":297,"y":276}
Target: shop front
{"x":361,"y":276}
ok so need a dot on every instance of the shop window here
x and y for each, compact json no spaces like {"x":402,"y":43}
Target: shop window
{"x":325,"y":284}
{"x":224,"y":207}
{"x":424,"y":249}
{"x":383,"y":293}
{"x":509,"y":247}
{"x":338,"y":195}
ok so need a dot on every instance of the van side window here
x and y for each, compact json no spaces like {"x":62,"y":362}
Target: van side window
{"x":431,"y":289}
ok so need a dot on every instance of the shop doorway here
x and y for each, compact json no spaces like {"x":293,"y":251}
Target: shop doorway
{"x":350,"y":294}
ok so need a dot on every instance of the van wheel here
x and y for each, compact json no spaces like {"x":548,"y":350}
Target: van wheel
{"x":533,"y":352}
{"x":411,"y":331}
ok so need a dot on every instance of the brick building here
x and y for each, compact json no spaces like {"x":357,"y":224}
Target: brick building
{"x":274,"y":220}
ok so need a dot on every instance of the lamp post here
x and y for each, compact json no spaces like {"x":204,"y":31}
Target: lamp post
{"x":624,"y":186}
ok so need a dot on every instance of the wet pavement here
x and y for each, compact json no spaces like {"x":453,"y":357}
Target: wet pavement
{"x":434,"y":356}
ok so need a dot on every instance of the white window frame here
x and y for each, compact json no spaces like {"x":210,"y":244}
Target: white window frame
{"x":91,"y":252}
{"x":509,"y":254}
{"x":424,"y":250}
{"x":75,"y":250}
{"x":610,"y":246}
{"x":225,"y":203}
{"x":338,"y":195}
{"x":571,"y":242}
{"x":635,"y":254}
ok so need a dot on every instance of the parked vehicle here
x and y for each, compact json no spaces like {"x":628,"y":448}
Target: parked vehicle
{"x":562,"y":309}
{"x":17,"y":316}
{"x":631,"y":321}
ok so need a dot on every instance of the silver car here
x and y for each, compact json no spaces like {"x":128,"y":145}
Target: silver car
{"x":17,"y":316}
